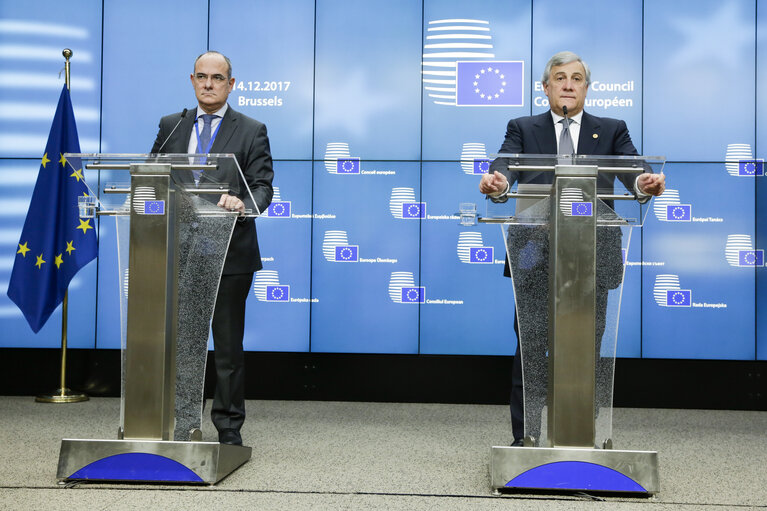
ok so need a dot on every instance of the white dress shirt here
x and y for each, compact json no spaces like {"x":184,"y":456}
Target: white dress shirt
{"x":192,"y":148}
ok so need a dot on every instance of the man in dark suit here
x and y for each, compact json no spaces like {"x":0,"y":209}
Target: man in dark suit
{"x":565,"y":81}
{"x":214,"y":127}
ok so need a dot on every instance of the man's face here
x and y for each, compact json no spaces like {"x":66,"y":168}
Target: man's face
{"x":567,"y":87}
{"x":210,"y":82}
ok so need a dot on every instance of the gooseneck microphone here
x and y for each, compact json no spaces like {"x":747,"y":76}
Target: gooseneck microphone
{"x":183,"y":114}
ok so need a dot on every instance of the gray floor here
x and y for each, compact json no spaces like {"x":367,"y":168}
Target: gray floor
{"x":330,"y":455}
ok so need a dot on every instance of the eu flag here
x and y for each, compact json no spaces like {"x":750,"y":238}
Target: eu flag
{"x":348,"y":165}
{"x":489,"y":83}
{"x":55,"y":242}
{"x":751,"y":167}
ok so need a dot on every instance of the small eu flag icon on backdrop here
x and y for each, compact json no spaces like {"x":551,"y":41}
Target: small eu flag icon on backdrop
{"x":679,"y":298}
{"x":348,"y":166}
{"x":751,"y":257}
{"x":279,"y":209}
{"x":481,"y":255}
{"x":679,"y":213}
{"x":414,"y":294}
{"x":278,"y":293}
{"x":347,"y":253}
{"x":751,"y":167}
{"x":413,"y":210}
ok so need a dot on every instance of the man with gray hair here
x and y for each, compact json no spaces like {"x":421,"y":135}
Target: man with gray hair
{"x":565,"y":80}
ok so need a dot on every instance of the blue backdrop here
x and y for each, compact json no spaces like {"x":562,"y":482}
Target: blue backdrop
{"x":375,"y":259}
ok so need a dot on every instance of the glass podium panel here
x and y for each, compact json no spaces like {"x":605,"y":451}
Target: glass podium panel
{"x":526,"y":226}
{"x":195,"y":244}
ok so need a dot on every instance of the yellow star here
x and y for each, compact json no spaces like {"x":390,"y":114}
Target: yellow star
{"x":58,"y":261}
{"x":70,"y":248}
{"x":77,"y":174}
{"x":40,"y":261}
{"x":45,"y":160}
{"x":62,"y":160}
{"x":85,"y":225}
{"x":23,"y":249}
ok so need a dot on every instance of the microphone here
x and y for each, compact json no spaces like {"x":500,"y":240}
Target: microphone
{"x":183,"y":114}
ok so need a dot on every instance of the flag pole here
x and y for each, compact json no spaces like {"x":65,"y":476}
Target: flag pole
{"x":63,"y":394}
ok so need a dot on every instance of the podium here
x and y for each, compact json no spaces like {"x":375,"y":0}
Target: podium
{"x":566,"y":243}
{"x":172,"y":241}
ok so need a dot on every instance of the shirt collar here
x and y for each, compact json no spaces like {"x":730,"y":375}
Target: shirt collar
{"x":575,"y":118}
{"x":220,"y":112}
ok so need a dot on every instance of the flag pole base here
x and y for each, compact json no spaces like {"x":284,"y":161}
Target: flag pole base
{"x":62,"y":396}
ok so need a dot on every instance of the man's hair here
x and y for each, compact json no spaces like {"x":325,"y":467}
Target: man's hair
{"x":562,"y":58}
{"x":228,"y":62}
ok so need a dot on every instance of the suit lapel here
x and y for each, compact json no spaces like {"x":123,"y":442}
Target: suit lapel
{"x":589,"y":136}
{"x":225,"y":132}
{"x":545,"y":136}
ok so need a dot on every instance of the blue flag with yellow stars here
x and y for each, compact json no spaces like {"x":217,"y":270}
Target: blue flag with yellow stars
{"x":55,"y":242}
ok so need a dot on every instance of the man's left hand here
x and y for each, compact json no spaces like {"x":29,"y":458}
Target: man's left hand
{"x":652,"y":184}
{"x":231,"y":203}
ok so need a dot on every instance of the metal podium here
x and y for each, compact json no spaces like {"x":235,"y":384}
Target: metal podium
{"x":566,"y":244}
{"x":172,"y":240}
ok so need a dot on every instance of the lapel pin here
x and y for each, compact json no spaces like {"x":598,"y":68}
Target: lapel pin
{"x":595,"y":135}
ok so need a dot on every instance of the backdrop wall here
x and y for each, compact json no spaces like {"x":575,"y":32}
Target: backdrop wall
{"x":384,"y":82}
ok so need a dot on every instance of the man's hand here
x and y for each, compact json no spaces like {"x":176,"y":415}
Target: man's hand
{"x":652,"y":184}
{"x":491,"y":184}
{"x":231,"y":203}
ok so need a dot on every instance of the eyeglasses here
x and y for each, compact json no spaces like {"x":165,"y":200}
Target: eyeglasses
{"x":217,"y":78}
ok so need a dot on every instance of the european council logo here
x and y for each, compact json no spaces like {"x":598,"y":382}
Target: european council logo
{"x":447,"y":41}
{"x":336,"y":248}
{"x":402,"y":288}
{"x":571,"y":203}
{"x":267,"y":287}
{"x":142,"y":196}
{"x":472,"y":250}
{"x":740,"y":252}
{"x":474,"y":160}
{"x":668,"y":293}
{"x":339,"y":161}
{"x":403,"y":205}
{"x":278,"y":208}
{"x":668,"y":207}
{"x":737,"y":153}
{"x":494,"y":83}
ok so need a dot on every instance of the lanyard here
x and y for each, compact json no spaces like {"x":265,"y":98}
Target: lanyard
{"x":212,"y":137}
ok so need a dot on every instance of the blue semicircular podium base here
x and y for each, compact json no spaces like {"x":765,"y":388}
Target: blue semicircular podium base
{"x":137,"y":466}
{"x":575,"y":475}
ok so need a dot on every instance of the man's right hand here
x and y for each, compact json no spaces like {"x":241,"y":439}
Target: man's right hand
{"x":492,"y":184}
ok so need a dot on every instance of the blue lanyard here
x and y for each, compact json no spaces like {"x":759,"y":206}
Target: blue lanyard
{"x":212,"y":137}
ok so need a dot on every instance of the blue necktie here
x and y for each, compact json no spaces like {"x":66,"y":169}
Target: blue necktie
{"x":203,"y":142}
{"x":565,"y":140}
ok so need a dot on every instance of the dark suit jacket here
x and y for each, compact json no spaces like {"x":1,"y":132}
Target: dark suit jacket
{"x":536,"y":135}
{"x":247,"y":139}
{"x":598,"y":136}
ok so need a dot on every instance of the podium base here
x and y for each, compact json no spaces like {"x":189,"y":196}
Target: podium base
{"x":148,"y":461}
{"x":573,"y":469}
{"x":62,"y":396}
